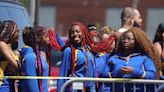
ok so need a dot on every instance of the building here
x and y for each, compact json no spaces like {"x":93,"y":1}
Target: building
{"x":60,"y":13}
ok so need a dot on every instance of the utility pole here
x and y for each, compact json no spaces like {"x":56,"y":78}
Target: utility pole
{"x":32,"y":10}
{"x":36,"y":17}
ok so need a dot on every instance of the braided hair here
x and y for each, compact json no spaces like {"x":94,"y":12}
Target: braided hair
{"x":30,"y":38}
{"x":8,"y":30}
{"x":87,"y":39}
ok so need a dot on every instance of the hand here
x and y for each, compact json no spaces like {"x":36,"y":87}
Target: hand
{"x":127,"y":70}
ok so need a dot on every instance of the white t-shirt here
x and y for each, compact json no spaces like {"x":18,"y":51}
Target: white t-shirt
{"x":121,"y":30}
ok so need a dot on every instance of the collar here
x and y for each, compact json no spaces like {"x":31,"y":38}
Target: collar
{"x":120,"y":55}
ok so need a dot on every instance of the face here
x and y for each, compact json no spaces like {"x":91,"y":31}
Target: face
{"x":15,"y":39}
{"x":95,"y":39}
{"x":44,"y":39}
{"x":76,"y":34}
{"x":127,"y":41}
{"x":137,"y":19}
{"x":105,"y":36}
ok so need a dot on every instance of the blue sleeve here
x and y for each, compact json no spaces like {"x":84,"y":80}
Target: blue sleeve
{"x":115,"y":73}
{"x":30,"y":70}
{"x":65,"y":67}
{"x":106,"y":72}
{"x":100,"y":65}
{"x":110,"y":72}
{"x":60,"y":41}
{"x":149,"y":71}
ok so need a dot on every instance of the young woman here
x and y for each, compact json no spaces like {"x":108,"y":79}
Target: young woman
{"x":9,"y":34}
{"x":78,"y":60}
{"x":33,"y":60}
{"x":135,"y":58}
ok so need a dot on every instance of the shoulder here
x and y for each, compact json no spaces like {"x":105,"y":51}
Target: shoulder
{"x":44,"y":54}
{"x":67,"y":50}
{"x":157,"y":45}
{"x":112,"y":58}
{"x":2,"y":44}
{"x":146,"y":57}
{"x":16,"y":52}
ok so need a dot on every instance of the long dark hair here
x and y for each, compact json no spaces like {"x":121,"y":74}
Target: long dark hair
{"x":30,"y":38}
{"x":158,"y":36}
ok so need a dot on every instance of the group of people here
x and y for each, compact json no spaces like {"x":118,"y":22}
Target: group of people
{"x":30,"y":60}
{"x":126,"y":53}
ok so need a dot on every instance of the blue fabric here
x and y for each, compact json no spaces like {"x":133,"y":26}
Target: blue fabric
{"x":101,"y":64}
{"x":139,"y":62}
{"x":7,"y":85}
{"x":29,"y":69}
{"x":80,"y":68}
{"x":60,"y":41}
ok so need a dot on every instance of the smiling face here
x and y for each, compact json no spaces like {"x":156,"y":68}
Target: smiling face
{"x":75,"y":34}
{"x":127,"y":41}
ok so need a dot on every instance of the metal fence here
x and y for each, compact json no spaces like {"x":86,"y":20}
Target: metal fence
{"x":113,"y":81}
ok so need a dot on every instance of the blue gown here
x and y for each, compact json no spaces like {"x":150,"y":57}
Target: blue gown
{"x":80,"y":68}
{"x":143,"y":68}
{"x":28,"y":58}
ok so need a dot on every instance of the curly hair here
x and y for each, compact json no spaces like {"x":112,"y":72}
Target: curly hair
{"x":143,"y":45}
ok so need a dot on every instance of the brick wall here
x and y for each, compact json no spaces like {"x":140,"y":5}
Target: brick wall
{"x":93,"y":11}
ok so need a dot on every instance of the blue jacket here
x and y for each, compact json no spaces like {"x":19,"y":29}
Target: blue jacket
{"x":80,"y":66}
{"x":143,"y":68}
{"x":28,"y":58}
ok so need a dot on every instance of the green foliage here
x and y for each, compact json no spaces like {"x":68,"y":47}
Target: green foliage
{"x":24,"y":2}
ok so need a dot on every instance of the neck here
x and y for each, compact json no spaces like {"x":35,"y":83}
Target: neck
{"x":9,"y":45}
{"x":127,"y":52}
{"x":126,"y":25}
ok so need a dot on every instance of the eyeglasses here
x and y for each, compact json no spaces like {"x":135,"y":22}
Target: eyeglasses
{"x":126,"y":38}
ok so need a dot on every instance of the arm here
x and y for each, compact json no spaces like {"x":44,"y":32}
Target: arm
{"x":162,"y":52}
{"x":60,"y":41}
{"x":158,"y":48}
{"x":109,"y":72}
{"x":149,"y":71}
{"x":6,"y":52}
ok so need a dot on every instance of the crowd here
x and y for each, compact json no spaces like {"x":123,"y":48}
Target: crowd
{"x":124,"y":53}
